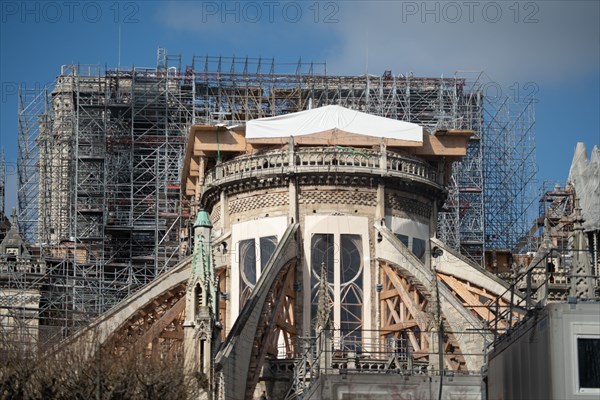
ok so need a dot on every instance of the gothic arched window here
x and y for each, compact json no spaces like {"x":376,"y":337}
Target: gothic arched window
{"x":344,"y":265}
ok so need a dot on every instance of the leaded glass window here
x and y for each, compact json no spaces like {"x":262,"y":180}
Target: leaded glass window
{"x":351,"y":283}
{"x":249,"y":271}
{"x":344,"y":266}
{"x":322,"y":253}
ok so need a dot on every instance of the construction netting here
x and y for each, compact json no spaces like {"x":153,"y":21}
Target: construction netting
{"x":584,"y":175}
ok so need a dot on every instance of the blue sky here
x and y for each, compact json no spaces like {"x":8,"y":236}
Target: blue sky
{"x":554,"y":45}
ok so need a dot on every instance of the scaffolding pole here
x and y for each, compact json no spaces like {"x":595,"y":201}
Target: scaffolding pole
{"x":100,"y":159}
{"x":509,"y":171}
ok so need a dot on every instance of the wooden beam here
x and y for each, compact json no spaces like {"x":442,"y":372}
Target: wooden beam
{"x":160,"y":324}
{"x":174,"y":335}
{"x":335,"y":137}
{"x":453,"y":146}
{"x":419,"y":316}
{"x":415,"y":344}
{"x":399,"y":326}
{"x":391,"y":308}
{"x":386,"y":294}
{"x":472,"y":301}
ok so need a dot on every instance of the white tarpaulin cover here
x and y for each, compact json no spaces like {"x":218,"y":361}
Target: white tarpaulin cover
{"x":585,"y":176}
{"x":329,"y":118}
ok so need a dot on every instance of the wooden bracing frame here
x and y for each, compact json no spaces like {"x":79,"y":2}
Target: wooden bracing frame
{"x":405,"y":314}
{"x":403,"y":311}
{"x":480,"y":301}
{"x":284,"y":321}
{"x":155,"y":328}
{"x":277,"y":325}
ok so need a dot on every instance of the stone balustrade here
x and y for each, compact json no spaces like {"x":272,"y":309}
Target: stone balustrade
{"x":323,"y":160}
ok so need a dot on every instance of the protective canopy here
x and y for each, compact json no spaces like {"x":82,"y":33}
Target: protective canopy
{"x":329,"y":118}
{"x":585,"y":176}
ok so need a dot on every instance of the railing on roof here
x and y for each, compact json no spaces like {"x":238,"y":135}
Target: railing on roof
{"x":323,"y":160}
{"x":331,"y":352}
{"x":549,"y":279}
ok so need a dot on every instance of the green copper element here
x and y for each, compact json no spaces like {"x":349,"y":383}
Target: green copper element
{"x":202,"y":220}
{"x":202,"y":261}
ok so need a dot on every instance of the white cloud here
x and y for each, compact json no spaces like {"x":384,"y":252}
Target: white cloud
{"x":544,"y":41}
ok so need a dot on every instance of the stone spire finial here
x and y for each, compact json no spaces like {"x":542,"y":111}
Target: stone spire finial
{"x":582,"y":282}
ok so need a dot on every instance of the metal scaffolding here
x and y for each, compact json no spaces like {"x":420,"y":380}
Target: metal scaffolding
{"x":509,"y":171}
{"x":100,"y":159}
{"x":2,"y":185}
{"x":236,"y":90}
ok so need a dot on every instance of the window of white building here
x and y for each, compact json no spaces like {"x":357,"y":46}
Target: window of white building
{"x":253,"y":243}
{"x":411,"y":233}
{"x":344,"y":266}
{"x":414,"y":244}
{"x":254,"y":256}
